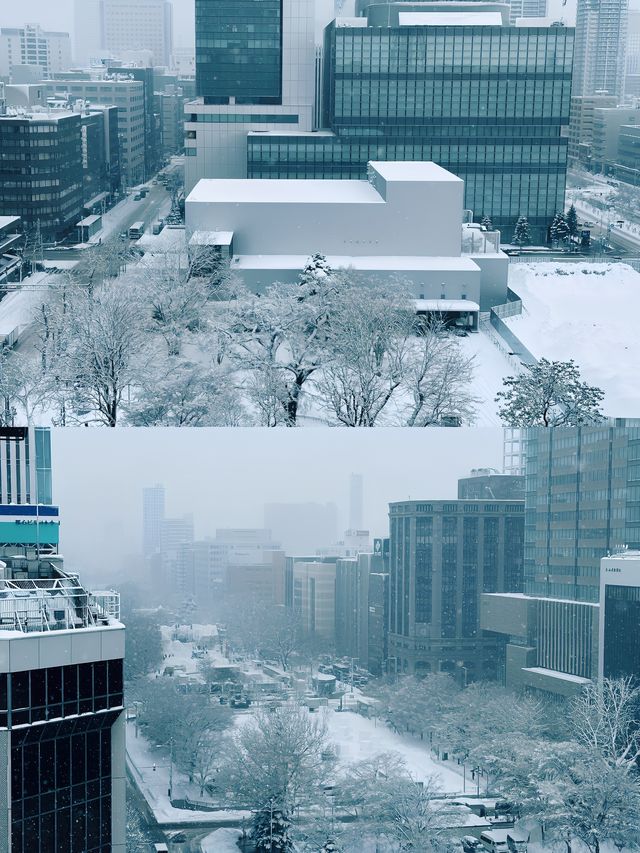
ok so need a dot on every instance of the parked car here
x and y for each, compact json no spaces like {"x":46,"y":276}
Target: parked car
{"x":137,"y":197}
{"x":470,"y":844}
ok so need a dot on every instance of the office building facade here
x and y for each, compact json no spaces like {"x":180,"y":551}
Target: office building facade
{"x":152,"y":137}
{"x":254,"y":71}
{"x":487,"y":102}
{"x":112,"y":27}
{"x":619,"y":636}
{"x":62,"y":739}
{"x":31,"y":45}
{"x":582,"y":502}
{"x":600,"y":48}
{"x":128,"y":96}
{"x":41,"y":171}
{"x":443,"y":556}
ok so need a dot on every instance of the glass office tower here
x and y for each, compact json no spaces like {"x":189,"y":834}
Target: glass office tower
{"x":487,"y":102}
{"x":239,"y":51}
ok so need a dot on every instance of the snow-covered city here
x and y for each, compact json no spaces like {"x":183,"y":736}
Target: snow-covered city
{"x":228,"y":230}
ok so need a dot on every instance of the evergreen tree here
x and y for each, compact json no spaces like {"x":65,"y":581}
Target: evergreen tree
{"x":572,"y":221}
{"x":559,"y":230}
{"x":522,"y":233}
{"x":316,"y":273}
{"x":270,"y":831}
{"x":487,"y":223}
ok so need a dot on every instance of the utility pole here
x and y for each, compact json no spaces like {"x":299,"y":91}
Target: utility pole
{"x":170,"y":770}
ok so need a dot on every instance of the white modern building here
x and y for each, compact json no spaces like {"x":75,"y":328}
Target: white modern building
{"x":31,"y":45}
{"x":405,"y":221}
{"x":112,"y":27}
{"x":619,"y":628}
{"x":216,"y":126}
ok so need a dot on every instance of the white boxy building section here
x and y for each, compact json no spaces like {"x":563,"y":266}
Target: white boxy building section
{"x":404,"y":222}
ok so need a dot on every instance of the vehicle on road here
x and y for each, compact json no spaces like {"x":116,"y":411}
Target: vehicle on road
{"x":136,"y":230}
{"x":137,"y":197}
{"x":504,"y":841}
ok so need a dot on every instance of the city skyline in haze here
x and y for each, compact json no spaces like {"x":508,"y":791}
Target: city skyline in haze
{"x":225,"y":480}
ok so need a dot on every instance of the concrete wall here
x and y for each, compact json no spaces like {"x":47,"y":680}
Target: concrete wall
{"x":426,"y":284}
{"x":420,"y":218}
{"x":494,"y":275}
{"x":19,"y":653}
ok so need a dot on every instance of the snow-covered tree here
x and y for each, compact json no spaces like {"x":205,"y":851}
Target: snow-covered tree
{"x":25,"y":389}
{"x":559,"y":230}
{"x":315,"y":276}
{"x":522,"y":233}
{"x":277,"y":757}
{"x":572,"y":221}
{"x":549,"y":394}
{"x":181,"y":393}
{"x":487,"y":223}
{"x":270,"y":831}
{"x":604,"y":718}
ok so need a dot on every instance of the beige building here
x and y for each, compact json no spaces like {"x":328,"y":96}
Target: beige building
{"x":581,"y":125}
{"x":314,"y":598}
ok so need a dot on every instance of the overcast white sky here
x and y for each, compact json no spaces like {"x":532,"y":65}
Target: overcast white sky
{"x":224,"y":477}
{"x":58,"y":15}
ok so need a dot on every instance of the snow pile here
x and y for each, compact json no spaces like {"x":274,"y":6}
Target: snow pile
{"x":582,"y":312}
{"x":221,"y":841}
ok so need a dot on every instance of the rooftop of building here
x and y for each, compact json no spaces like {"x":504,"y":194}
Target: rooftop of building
{"x":365,"y":263}
{"x":38,"y":596}
{"x":310,"y":191}
{"x":7,"y":222}
{"x":525,"y":596}
{"x":33,"y":114}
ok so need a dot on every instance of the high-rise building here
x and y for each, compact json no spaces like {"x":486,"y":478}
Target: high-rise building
{"x":62,"y":752}
{"x":29,"y":521}
{"x":47,"y":194}
{"x":152,"y":141}
{"x":152,"y":519}
{"x":112,"y":27}
{"x":443,"y":82}
{"x":31,"y":45}
{"x":526,"y":9}
{"x":582,"y":502}
{"x":314,"y":598}
{"x":619,"y":638}
{"x":361,"y":608}
{"x":601,"y":37}
{"x":125,"y":93}
{"x":443,"y":556}
{"x":254,"y":72}
{"x":581,"y":125}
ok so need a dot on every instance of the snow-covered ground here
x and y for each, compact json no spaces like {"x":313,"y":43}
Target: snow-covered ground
{"x":359,"y":738}
{"x":221,"y":841}
{"x":584,"y":312}
{"x":491,"y":365}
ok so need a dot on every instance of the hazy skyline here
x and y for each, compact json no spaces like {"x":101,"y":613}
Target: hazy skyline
{"x":59,"y":16}
{"x":225,"y":476}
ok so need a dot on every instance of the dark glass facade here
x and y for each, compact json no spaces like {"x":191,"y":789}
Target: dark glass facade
{"x":61,"y":786}
{"x":486,"y":102}
{"x":621,"y":634}
{"x":59,"y":721}
{"x":239,"y":51}
{"x":41,"y":173}
{"x":443,"y":555}
{"x":582,"y":502}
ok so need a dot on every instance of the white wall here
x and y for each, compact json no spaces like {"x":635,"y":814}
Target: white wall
{"x":419,"y":219}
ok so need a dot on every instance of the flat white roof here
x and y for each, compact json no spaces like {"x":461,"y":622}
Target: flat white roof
{"x":446,"y":305}
{"x":275,"y":191}
{"x":450,"y":19}
{"x":211,"y":238}
{"x":413,"y":170}
{"x":560,"y":676}
{"x":364,"y":262}
{"x":8,"y":221}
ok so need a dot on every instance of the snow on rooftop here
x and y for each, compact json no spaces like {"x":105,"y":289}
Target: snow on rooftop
{"x":9,"y":221}
{"x":274,"y":191}
{"x":583,"y":312}
{"x":552,"y":673}
{"x":446,"y":305}
{"x":413,"y":170}
{"x":543,"y":598}
{"x":450,"y":19}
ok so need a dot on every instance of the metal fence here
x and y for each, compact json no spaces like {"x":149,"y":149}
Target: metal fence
{"x":574,"y":259}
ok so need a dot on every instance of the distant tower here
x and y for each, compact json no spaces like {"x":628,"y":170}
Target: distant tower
{"x":600,"y":47}
{"x":355,"y":502}
{"x":152,"y":519}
